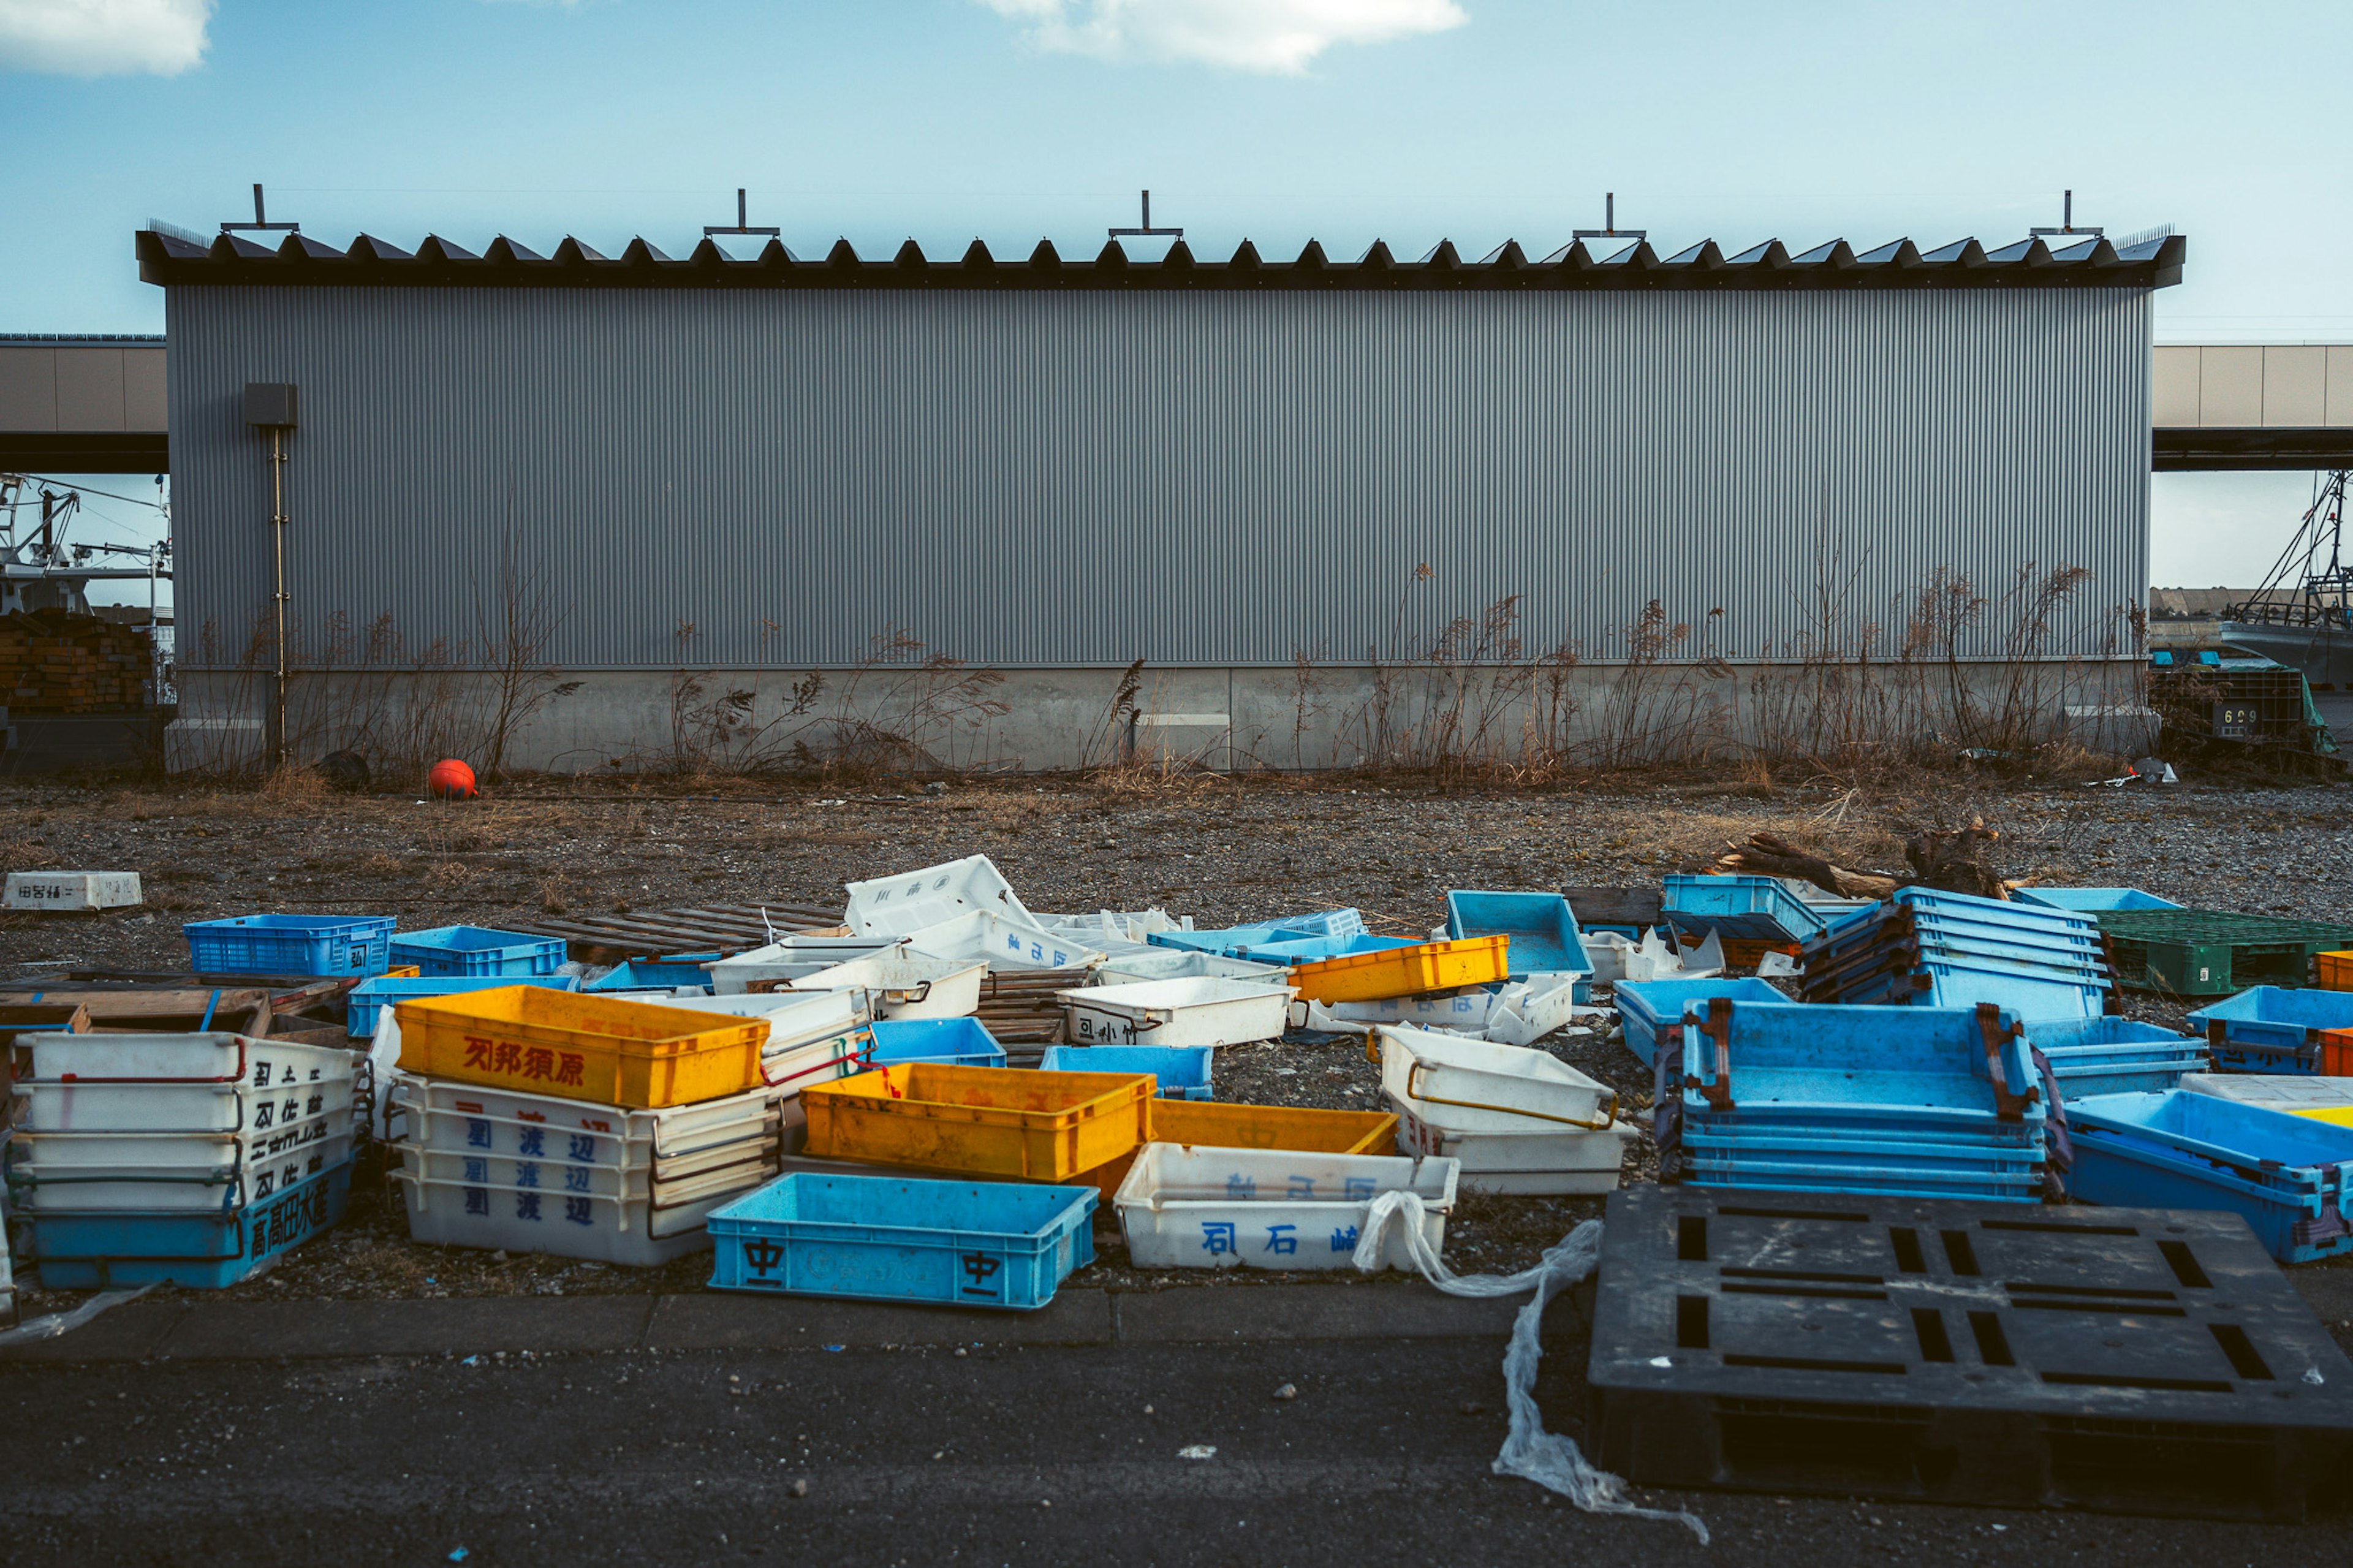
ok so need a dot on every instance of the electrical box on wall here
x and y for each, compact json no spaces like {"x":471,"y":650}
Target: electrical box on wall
{"x":269,"y":404}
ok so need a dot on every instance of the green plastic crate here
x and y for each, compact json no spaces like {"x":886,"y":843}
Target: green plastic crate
{"x":2214,"y":953}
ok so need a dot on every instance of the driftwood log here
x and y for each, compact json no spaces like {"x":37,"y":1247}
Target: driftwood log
{"x":1956,"y":860}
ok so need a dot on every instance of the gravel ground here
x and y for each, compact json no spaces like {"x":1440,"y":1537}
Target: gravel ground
{"x":1220,"y":851}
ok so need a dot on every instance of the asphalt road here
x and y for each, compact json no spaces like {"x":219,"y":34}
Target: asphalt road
{"x":918,"y":1456}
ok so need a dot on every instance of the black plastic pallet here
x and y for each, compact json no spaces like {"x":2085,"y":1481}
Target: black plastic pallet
{"x":2123,"y":1361}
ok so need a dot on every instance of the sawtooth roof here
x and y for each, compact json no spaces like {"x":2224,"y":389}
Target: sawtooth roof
{"x":2090,"y":261}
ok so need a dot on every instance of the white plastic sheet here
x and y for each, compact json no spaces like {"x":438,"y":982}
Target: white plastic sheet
{"x":57,"y":1323}
{"x":1617,"y":958}
{"x":1530,"y":1452}
{"x":1518,"y":1014}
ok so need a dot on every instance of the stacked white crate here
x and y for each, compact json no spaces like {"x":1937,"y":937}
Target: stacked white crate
{"x":525,"y":1173}
{"x":136,"y":1154}
{"x":1519,"y":1120}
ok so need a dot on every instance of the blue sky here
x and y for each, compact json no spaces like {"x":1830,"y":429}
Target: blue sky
{"x":1345,"y":120}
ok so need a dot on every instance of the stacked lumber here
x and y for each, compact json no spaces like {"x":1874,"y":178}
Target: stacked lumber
{"x":52,"y":662}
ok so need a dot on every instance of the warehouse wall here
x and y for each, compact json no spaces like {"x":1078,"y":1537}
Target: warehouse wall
{"x":747,"y":479}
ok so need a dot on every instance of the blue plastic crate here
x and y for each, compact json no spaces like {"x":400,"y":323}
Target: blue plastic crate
{"x":1897,"y":1100}
{"x":1544,"y":938}
{"x":370,"y":997}
{"x":1911,"y":1062}
{"x":2114,"y":1055}
{"x":2092,"y":900}
{"x":476,"y":950}
{"x":1182,"y":1071}
{"x":2271,"y":1028}
{"x":1231,"y":939}
{"x":1642,"y":1004}
{"x":290,"y":944}
{"x":2290,"y":1177}
{"x":1993,"y":912}
{"x":1291,"y":950}
{"x":889,"y":1238}
{"x":1745,"y":909}
{"x":957,"y":1042}
{"x":652,"y":974}
{"x":198,"y":1251}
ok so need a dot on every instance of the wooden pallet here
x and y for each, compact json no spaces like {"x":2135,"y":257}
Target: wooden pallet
{"x":723,"y":929}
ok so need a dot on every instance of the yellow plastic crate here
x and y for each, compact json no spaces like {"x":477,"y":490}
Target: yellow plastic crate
{"x":403,"y":972}
{"x":2336,"y":970}
{"x":986,"y":1121}
{"x":603,"y":1049}
{"x":1223,"y":1125}
{"x":2340,"y":1116}
{"x":1404,"y":971}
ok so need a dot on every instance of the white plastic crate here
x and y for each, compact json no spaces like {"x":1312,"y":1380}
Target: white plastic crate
{"x":1004,"y":942}
{"x":899,"y":984}
{"x":206,"y":1172}
{"x":748,"y":1164}
{"x":71,"y":891}
{"x":631,"y":1232}
{"x":1174,"y":963}
{"x":899,"y":905}
{"x":1551,"y":1163}
{"x":213,"y":1057}
{"x":178,"y":1107}
{"x":439,"y":1113}
{"x":1185,"y":1207}
{"x":1197,"y":1010}
{"x":788,"y":959}
{"x":1469,"y":1086}
{"x":817,"y":1061}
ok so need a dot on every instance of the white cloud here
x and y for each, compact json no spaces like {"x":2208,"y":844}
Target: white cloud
{"x":1282,"y":35}
{"x":102,"y":37}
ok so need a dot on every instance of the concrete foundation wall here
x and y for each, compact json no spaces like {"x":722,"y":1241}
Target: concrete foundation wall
{"x":1314,"y":718}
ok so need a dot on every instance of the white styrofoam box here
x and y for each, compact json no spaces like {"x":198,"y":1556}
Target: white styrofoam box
{"x":173,"y":1106}
{"x":1201,"y":1010}
{"x":790,"y":958}
{"x":912,"y":900}
{"x":1174,"y":964}
{"x":213,"y":1057}
{"x":71,"y":891}
{"x":2273,"y":1091}
{"x":1529,"y":1162}
{"x":904,"y":984}
{"x":172,"y":1171}
{"x":1472,"y":1086}
{"x":1004,"y":942}
{"x":631,"y":1232}
{"x":1196,"y":1207}
{"x":442,"y":1114}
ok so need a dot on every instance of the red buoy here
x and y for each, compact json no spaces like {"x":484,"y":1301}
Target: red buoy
{"x":450,"y":780}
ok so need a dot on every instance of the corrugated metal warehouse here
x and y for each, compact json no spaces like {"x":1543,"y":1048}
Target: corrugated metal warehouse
{"x":1215,"y":468}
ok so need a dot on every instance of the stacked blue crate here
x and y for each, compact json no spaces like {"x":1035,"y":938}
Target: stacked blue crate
{"x":1905,"y":1102}
{"x":2291,"y":1177}
{"x":1927,"y":947}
